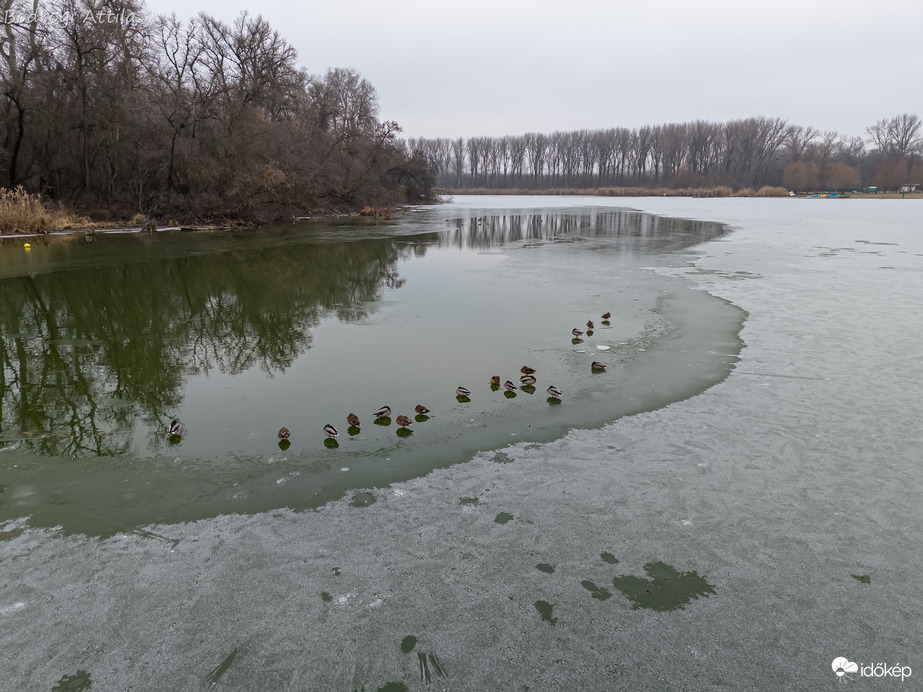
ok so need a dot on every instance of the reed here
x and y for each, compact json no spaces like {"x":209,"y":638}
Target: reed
{"x":765,"y":191}
{"x":771,"y":191}
{"x":22,"y":212}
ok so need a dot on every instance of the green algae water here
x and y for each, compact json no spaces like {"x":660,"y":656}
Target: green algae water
{"x":235,"y":335}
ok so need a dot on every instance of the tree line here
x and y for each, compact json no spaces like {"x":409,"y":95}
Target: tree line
{"x":108,"y":107}
{"x":747,"y":153}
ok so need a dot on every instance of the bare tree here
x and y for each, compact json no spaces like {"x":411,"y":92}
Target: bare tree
{"x":517,"y":153}
{"x":899,"y":136}
{"x":459,"y":150}
{"x":536,"y":150}
{"x":798,"y":139}
{"x":171,"y":72}
{"x":20,"y":53}
{"x":347,"y":101}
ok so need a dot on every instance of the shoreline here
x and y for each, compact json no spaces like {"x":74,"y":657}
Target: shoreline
{"x":691,"y":193}
{"x":93,"y":228}
{"x":104,"y":228}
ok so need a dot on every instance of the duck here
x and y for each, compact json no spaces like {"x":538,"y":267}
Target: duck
{"x":174,"y":427}
{"x":527,"y":380}
{"x":421,"y":410}
{"x":495,"y":380}
{"x":330,"y":431}
{"x":554,"y":392}
{"x":383,"y":412}
{"x":353,"y":420}
{"x":607,"y":315}
{"x":596,"y":365}
{"x":576,"y":332}
{"x":589,"y":324}
{"x":284,"y":433}
{"x":403,"y":421}
{"x":525,"y":370}
{"x":509,"y":386}
{"x":462,"y":391}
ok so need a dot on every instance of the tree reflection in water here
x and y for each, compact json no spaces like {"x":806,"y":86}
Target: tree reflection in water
{"x":89,"y":354}
{"x":93,"y":349}
{"x":103,"y":343}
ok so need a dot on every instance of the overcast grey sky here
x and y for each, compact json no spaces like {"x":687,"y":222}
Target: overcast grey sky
{"x":492,"y":67}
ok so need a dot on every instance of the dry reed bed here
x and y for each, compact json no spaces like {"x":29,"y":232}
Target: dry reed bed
{"x":22,"y":212}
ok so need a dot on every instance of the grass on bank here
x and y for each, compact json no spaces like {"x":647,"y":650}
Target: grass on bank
{"x":22,"y":212}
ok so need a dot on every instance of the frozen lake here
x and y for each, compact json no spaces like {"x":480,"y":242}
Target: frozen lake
{"x":740,"y":538}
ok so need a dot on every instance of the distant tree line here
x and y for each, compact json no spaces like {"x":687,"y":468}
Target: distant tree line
{"x":107,"y":107}
{"x":748,"y":153}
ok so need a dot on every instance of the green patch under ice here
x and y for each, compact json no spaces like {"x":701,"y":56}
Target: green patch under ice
{"x":544,"y":609}
{"x":598,"y":592}
{"x":78,"y":682}
{"x":667,"y":589}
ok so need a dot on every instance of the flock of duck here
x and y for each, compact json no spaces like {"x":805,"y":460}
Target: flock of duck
{"x":462,"y":394}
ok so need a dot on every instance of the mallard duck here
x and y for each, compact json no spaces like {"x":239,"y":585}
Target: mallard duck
{"x":596,"y":365}
{"x":462,"y":391}
{"x":607,"y":315}
{"x":283,"y":433}
{"x":495,"y":380}
{"x":525,"y":370}
{"x":527,"y":380}
{"x":403,"y":421}
{"x":383,"y":412}
{"x":174,"y":427}
{"x":421,"y":409}
{"x":576,"y":332}
{"x":554,"y":392}
{"x":330,"y":431}
{"x":509,"y":386}
{"x":589,"y":324}
{"x":353,"y":420}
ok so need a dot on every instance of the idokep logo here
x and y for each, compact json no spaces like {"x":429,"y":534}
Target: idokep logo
{"x":843,"y":666}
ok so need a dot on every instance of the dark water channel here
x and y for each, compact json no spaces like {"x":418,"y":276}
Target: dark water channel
{"x":105,"y":340}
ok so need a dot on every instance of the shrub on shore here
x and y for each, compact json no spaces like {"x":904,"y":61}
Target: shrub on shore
{"x":21,"y":212}
{"x":765,"y":191}
{"x":772,"y":191}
